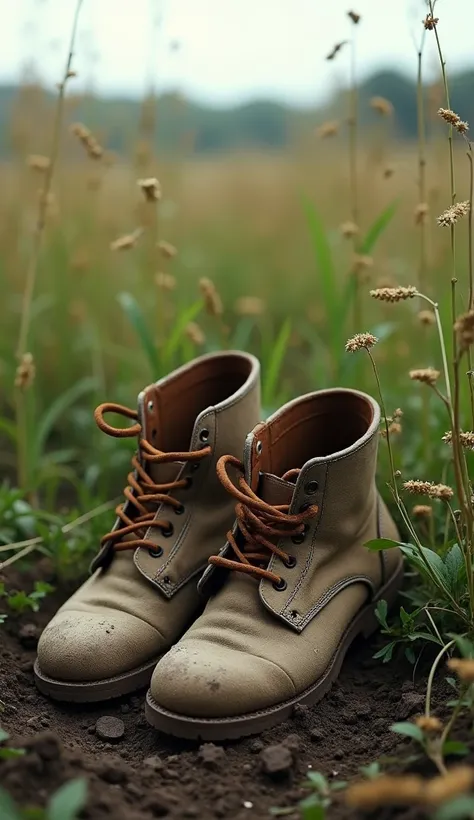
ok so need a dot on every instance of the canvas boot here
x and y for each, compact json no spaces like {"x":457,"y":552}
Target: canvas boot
{"x":106,"y":640}
{"x":299,"y":585}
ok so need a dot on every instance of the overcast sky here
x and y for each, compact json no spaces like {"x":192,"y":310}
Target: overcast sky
{"x":229,"y":50}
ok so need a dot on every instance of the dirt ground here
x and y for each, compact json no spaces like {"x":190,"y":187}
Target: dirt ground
{"x":145,"y":775}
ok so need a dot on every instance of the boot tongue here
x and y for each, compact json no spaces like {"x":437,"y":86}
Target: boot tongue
{"x":149,"y":416}
{"x":269,"y":487}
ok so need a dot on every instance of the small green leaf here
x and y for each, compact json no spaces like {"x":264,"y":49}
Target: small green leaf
{"x":311,"y":809}
{"x":381,"y":612}
{"x":371,"y":771}
{"x":68,"y":801}
{"x":386,"y":653}
{"x":465,"y":646}
{"x":378,"y":544}
{"x":3,"y":735}
{"x":8,"y":754}
{"x":318,"y":782}
{"x":455,"y":747}
{"x":460,"y":808}
{"x":408,"y":730}
{"x":8,"y":808}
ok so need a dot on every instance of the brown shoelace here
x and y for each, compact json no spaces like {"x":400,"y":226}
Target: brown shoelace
{"x":142,"y":490}
{"x":259,"y":521}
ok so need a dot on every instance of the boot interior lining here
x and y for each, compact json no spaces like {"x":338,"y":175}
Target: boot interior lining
{"x":316,"y":428}
{"x":181,"y":399}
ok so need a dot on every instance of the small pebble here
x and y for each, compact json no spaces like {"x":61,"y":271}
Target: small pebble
{"x":276,"y":761}
{"x":110,"y":728}
{"x":211,"y":756}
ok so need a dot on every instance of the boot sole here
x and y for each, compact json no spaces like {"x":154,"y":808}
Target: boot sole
{"x":210,"y":729}
{"x":94,"y":691}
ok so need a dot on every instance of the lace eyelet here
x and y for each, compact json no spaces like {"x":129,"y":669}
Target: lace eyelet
{"x":300,"y":536}
{"x":280,"y":585}
{"x":179,"y":510}
{"x":290,"y":562}
{"x":258,"y":447}
{"x":305,"y":506}
{"x":311,"y":487}
{"x":157,"y":552}
{"x":204,"y":434}
{"x":168,"y":532}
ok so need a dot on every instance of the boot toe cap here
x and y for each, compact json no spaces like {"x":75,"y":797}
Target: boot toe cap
{"x":213,"y":681}
{"x":79,"y":646}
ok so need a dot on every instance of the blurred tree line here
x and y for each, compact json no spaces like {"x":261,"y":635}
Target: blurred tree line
{"x":183,"y":125}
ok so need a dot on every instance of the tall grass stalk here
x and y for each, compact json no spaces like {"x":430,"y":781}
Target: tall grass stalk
{"x":353,"y":123}
{"x":35,"y":252}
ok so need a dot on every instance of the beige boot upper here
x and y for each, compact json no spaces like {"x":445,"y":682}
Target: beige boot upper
{"x":139,"y":601}
{"x":260,"y":642}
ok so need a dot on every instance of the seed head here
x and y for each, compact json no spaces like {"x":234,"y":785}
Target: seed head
{"x":37,"y":162}
{"x":349,"y":229}
{"x":394,"y":429}
{"x":464,"y":327}
{"x":250,"y":306}
{"x":451,"y":215}
{"x":167,"y":249}
{"x":394,"y":294}
{"x":383,"y":106}
{"x":336,"y":49}
{"x":165,"y":281}
{"x":426,"y":375}
{"x":421,"y":213}
{"x":429,"y":724}
{"x":429,"y":488}
{"x":466,"y":439}
{"x":85,"y":136}
{"x":463,"y":667}
{"x":453,"y":119}
{"x":328,"y":129}
{"x":426,"y":317}
{"x":386,"y":790}
{"x":127,"y":241}
{"x":430,"y":22}
{"x":361,"y":341}
{"x":354,"y":16}
{"x":151,"y":189}
{"x":25,"y":372}
{"x":422,"y":511}
{"x":457,"y":781}
{"x":195,"y":334}
{"x":212,"y":300}
{"x":361,"y":267}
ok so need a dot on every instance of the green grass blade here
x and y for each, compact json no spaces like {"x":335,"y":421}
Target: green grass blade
{"x":185,"y":317}
{"x":8,"y":428}
{"x":273,"y":366}
{"x":58,"y":408}
{"x":377,"y":228}
{"x":136,"y":318}
{"x":325,"y":266}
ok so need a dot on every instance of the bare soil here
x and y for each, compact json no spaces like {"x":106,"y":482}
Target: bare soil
{"x":143,"y":775}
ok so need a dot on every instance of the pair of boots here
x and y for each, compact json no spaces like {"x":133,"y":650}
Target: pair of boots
{"x":232,"y":634}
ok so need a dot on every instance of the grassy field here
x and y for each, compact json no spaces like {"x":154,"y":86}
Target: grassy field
{"x":115,"y":270}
